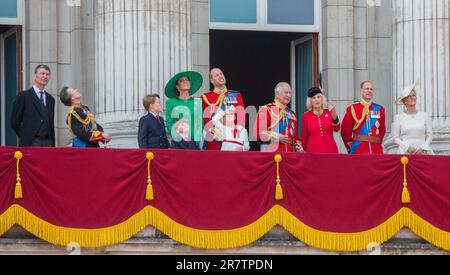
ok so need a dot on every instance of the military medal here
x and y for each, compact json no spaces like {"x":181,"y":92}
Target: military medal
{"x":377,"y":124}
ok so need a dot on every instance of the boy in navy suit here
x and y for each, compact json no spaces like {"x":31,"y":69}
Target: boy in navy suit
{"x":152,"y":130}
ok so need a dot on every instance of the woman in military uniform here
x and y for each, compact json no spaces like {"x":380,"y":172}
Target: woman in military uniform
{"x":85,"y":130}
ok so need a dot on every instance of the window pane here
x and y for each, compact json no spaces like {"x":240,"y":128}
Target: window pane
{"x":233,"y":11}
{"x":8,"y":8}
{"x":291,"y":12}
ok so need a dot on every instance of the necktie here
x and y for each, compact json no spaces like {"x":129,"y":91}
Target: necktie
{"x":158,"y":119}
{"x":41,"y":98}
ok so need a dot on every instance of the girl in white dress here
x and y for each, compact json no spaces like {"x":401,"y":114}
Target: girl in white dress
{"x":235,"y":137}
{"x":412,"y":129}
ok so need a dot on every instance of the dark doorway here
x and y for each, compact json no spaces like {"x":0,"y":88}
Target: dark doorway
{"x":10,"y":79}
{"x":253,"y":63}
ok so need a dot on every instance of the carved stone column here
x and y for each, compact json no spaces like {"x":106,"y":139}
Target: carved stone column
{"x":139,"y":46}
{"x":421,"y":53}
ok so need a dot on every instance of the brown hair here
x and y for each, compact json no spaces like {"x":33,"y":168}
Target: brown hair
{"x":149,"y":100}
{"x":41,"y":66}
{"x":364,"y":83}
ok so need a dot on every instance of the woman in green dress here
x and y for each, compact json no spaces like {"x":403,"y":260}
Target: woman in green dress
{"x":182,"y":105}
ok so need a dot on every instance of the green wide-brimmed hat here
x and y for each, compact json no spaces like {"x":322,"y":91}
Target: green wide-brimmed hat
{"x":195,"y":78}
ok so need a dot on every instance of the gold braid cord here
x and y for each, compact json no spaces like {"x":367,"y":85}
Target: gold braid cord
{"x":219,"y":101}
{"x":85,"y":122}
{"x":364,"y":116}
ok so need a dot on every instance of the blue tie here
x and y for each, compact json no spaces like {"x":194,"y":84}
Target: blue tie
{"x":41,"y":98}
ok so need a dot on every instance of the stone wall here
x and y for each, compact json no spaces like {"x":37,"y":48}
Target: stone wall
{"x":151,"y":241}
{"x":421,"y":41}
{"x":61,"y":36}
{"x":357,"y":46}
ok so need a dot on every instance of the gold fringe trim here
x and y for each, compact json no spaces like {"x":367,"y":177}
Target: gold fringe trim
{"x":213,"y":239}
{"x":7,"y":220}
{"x":84,"y":237}
{"x":342,"y":241}
{"x":92,"y":238}
{"x":427,"y":231}
{"x":225,"y":239}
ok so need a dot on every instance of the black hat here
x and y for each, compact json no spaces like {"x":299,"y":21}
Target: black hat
{"x":314,"y":91}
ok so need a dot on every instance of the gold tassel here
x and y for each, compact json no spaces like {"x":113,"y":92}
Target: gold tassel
{"x":405,"y":195}
{"x":18,"y":190}
{"x":406,"y":198}
{"x":149,"y":193}
{"x":279,"y":193}
{"x":279,"y":190}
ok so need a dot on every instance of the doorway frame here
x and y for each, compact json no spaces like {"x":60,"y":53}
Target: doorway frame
{"x":314,"y":37}
{"x":17,"y":30}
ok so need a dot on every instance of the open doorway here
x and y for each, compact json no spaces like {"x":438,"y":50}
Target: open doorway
{"x":255,"y":61}
{"x":10,"y":79}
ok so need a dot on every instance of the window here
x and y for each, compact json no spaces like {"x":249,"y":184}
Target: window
{"x":265,"y":15}
{"x":11,"y":12}
{"x":9,"y":9}
{"x":233,"y":11}
{"x":290,"y":12}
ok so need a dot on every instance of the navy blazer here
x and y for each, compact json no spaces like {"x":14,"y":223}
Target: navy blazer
{"x":28,"y":115}
{"x":152,"y":134}
{"x":183,"y":144}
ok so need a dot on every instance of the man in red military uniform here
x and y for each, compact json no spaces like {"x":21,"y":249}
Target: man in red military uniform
{"x":276,"y":124}
{"x":219,"y":98}
{"x":364,"y":127}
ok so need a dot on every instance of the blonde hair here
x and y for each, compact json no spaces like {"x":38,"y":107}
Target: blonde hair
{"x":181,"y":120}
{"x":309,"y":103}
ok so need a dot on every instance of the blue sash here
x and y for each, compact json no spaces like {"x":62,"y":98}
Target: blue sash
{"x":230,"y":99}
{"x":78,"y":143}
{"x":366,"y":130}
{"x":284,"y":123}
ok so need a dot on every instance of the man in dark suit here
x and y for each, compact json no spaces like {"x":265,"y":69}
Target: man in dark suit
{"x":152,"y":129}
{"x":33,"y":112}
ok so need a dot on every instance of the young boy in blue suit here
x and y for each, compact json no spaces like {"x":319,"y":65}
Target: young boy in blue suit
{"x":152,"y":129}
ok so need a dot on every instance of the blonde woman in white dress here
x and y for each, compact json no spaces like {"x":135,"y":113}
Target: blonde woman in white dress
{"x":412,"y":129}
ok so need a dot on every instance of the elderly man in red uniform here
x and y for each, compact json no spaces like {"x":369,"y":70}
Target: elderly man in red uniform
{"x":276,"y":124}
{"x":219,"y":98}
{"x":364,"y":127}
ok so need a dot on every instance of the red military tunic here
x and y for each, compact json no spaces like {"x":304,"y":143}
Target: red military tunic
{"x":317,"y":133}
{"x":363,"y":128}
{"x":273,"y":120}
{"x":211,"y":101}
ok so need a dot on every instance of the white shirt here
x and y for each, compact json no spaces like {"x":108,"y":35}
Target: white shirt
{"x":412,"y":131}
{"x":230,"y":142}
{"x":37,"y":91}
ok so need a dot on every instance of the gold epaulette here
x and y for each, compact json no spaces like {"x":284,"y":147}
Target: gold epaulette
{"x":73,"y":112}
{"x":219,"y":101}
{"x":275,"y":118}
{"x":85,"y":122}
{"x":352,"y":104}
